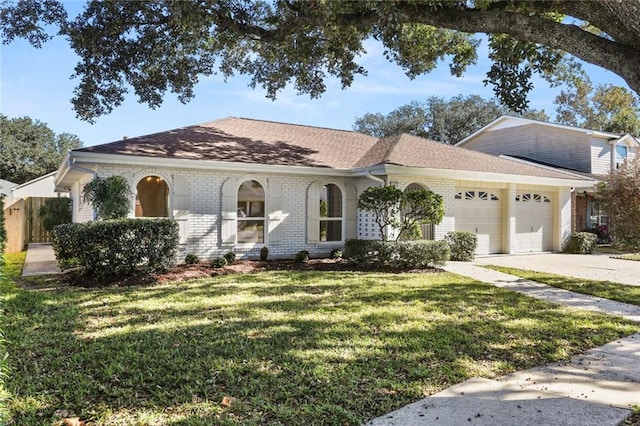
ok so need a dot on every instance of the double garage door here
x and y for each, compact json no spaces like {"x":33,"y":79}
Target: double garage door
{"x":480,"y":211}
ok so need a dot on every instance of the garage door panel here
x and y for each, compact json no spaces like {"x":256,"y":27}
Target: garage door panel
{"x":534,"y":222}
{"x":480,"y":212}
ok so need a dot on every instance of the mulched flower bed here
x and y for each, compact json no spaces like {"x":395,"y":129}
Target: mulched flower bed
{"x":185,"y":272}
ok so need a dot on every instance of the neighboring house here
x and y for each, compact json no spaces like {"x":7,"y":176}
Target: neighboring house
{"x":42,"y":186}
{"x":239,"y":184}
{"x":589,"y":152}
{"x":22,"y":205}
{"x":5,"y":187}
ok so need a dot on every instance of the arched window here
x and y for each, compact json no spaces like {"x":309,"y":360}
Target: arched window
{"x":251,"y":213}
{"x":331,"y":213}
{"x":427,"y":231}
{"x":152,"y":197}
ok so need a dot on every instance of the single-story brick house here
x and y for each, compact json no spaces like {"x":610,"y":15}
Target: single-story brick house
{"x":239,"y":184}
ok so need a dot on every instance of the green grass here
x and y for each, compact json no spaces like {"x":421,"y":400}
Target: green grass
{"x":291,"y":347}
{"x":605,"y":289}
{"x":630,"y":256}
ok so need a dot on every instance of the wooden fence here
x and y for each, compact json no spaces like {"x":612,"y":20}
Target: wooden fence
{"x":24,"y":225}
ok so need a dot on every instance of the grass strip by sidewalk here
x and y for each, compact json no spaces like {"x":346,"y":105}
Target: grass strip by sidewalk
{"x":629,"y":256}
{"x":285,"y":347}
{"x":605,"y":289}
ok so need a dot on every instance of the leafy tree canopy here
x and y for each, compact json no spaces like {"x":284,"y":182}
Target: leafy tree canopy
{"x":29,"y":149}
{"x":604,"y":107}
{"x":447,"y":121}
{"x":155,"y":47}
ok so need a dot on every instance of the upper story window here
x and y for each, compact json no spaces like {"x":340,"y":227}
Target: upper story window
{"x":250,"y":209}
{"x":621,"y":154}
{"x":331,"y":213}
{"x":152,"y":197}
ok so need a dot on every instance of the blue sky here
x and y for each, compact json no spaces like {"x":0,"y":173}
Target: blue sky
{"x":36,"y":83}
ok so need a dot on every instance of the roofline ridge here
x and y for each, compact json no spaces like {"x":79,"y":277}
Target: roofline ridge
{"x":298,"y":125}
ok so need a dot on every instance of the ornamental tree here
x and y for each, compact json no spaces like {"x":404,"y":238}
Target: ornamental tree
{"x":404,"y":212}
{"x":619,"y":194}
{"x":109,"y":197}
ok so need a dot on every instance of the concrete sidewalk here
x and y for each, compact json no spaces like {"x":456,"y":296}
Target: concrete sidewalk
{"x":40,"y":261}
{"x":599,"y":387}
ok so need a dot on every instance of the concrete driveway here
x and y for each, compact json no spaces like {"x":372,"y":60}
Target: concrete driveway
{"x":589,"y":266}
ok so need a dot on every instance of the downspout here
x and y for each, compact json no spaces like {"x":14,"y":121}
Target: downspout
{"x":368,"y":175}
{"x":73,"y":166}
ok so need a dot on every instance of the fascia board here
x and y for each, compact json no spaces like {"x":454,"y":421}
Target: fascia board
{"x":92,"y":158}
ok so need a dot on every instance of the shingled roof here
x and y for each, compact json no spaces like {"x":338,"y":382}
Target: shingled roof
{"x":251,"y":141}
{"x":242,"y":140}
{"x":413,"y":151}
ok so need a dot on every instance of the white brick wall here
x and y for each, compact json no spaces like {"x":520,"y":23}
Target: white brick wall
{"x":205,"y":205}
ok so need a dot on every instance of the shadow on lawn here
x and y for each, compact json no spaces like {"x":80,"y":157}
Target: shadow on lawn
{"x":290,"y":348}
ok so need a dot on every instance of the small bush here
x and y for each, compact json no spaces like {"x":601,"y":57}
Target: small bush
{"x":117,"y":248}
{"x":302,"y":256}
{"x":264,"y":253}
{"x":191,"y":259}
{"x":462,"y":244}
{"x":219,"y":262}
{"x":230,"y":257}
{"x":336,"y":254}
{"x":398,"y":254}
{"x":582,"y":243}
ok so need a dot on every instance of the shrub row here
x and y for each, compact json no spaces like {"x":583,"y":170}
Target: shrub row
{"x":582,"y":243}
{"x":398,"y":254}
{"x":117,"y":248}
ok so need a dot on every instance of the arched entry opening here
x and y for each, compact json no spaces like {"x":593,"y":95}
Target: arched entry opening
{"x":152,"y":197}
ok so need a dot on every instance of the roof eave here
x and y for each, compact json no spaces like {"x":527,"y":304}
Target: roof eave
{"x":198,"y":164}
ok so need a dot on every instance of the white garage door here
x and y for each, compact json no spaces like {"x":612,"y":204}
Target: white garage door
{"x":534,"y":222}
{"x":480,"y":211}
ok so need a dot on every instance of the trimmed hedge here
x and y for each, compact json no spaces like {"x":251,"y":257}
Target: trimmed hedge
{"x":219,"y":262}
{"x":302,"y":256}
{"x":398,"y":254}
{"x":463,"y":245}
{"x":582,"y":243}
{"x":117,"y":248}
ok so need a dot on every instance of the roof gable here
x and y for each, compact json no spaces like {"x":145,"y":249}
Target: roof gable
{"x":507,"y":121}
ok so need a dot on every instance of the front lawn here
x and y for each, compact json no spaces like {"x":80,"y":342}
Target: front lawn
{"x":284,"y":347}
{"x":605,"y":289}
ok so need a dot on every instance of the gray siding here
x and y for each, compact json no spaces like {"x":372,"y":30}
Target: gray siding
{"x":564,"y":148}
{"x":601,"y":157}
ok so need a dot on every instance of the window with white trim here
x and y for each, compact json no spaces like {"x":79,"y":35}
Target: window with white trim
{"x":152,"y":197}
{"x":622,"y":153}
{"x":331,"y":216}
{"x":250,"y":213}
